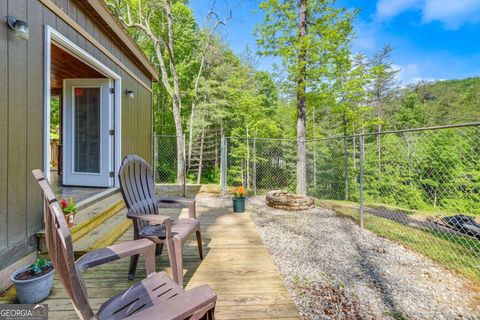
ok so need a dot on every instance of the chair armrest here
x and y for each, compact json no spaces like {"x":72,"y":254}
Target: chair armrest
{"x":182,"y":306}
{"x":151,"y":218}
{"x":154,"y":219}
{"x":114,"y":252}
{"x":184,"y":202}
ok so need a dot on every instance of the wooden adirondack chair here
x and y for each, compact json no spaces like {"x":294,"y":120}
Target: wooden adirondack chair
{"x":138,"y":190}
{"x":156,"y":297}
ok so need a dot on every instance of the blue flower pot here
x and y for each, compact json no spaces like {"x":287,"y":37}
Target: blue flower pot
{"x":33,"y":290}
{"x":239,"y":205}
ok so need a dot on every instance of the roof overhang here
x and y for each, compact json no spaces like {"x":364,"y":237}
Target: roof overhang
{"x":100,"y":12}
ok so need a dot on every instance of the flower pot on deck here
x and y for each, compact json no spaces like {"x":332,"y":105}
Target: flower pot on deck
{"x":35,"y":289}
{"x":70,"y":218}
{"x":239,"y":205}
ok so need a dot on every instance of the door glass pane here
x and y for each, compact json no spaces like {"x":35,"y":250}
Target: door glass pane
{"x":86,"y":130}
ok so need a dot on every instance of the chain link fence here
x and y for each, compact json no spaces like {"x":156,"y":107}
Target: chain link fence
{"x":418,"y":187}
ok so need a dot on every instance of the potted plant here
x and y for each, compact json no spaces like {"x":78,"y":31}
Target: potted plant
{"x":239,"y":199}
{"x":33,"y":283}
{"x":69,"y":210}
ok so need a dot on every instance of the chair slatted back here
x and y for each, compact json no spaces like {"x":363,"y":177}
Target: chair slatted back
{"x":137,"y":185}
{"x":60,"y":250}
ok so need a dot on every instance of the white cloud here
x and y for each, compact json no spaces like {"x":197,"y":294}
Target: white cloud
{"x":392,"y":8}
{"x":451,"y":13}
{"x":411,"y":73}
{"x":366,"y":39}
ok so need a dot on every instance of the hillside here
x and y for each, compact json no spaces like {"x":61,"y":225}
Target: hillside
{"x":437,"y":103}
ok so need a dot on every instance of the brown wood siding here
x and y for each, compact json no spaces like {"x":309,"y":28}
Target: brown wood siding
{"x":35,"y":58}
{"x":3,"y":129}
{"x":21,"y":109}
{"x":17,"y":130}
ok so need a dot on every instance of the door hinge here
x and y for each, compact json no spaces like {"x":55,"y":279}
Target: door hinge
{"x":112,"y":174}
{"x":112,"y":90}
{"x":111,"y":132}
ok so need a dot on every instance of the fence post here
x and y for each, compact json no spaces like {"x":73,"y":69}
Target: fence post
{"x":155,"y":157}
{"x":222,"y":165}
{"x":184,"y":169}
{"x":255,"y":164}
{"x":361,"y":155}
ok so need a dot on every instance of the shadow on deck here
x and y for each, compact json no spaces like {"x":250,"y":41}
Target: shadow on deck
{"x":236,"y":265}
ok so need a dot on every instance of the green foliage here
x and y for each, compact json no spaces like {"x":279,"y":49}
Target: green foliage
{"x":348,"y":93}
{"x":39,"y":266}
{"x":329,"y":32}
{"x":54,"y":118}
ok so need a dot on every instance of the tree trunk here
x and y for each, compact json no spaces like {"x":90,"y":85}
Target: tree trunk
{"x":177,"y":102}
{"x":302,"y":100}
{"x":247,"y":167}
{"x":190,"y":132}
{"x":345,"y":156}
{"x":378,"y":135}
{"x":314,"y":152}
{"x":216,"y":148}
{"x":180,"y":142}
{"x":200,"y":161}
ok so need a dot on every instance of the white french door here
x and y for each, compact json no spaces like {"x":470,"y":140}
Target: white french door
{"x":87,"y":119}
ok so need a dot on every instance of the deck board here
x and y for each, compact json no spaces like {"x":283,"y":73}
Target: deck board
{"x":236,"y":265}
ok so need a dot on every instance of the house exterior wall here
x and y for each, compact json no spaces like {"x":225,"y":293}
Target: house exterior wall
{"x":21,"y":112}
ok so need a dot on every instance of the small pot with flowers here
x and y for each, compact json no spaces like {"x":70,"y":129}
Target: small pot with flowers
{"x":69,"y":210}
{"x":239,"y":199}
{"x":33,"y":283}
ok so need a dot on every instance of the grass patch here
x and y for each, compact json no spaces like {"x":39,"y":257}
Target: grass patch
{"x":457,"y":253}
{"x":427,"y":213}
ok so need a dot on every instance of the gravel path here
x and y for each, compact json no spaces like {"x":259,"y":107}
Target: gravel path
{"x":335,"y":270}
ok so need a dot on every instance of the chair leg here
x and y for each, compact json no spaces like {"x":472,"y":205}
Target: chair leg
{"x":211,"y":314}
{"x":192,"y":210}
{"x":199,"y":241}
{"x":179,"y":260}
{"x":149,"y":258}
{"x":133,"y":267}
{"x":159,"y":249}
{"x":172,"y":259}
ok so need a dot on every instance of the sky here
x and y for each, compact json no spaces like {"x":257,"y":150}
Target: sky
{"x":432,"y":39}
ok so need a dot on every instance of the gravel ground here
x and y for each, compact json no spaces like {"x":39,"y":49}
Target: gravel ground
{"x":335,"y":270}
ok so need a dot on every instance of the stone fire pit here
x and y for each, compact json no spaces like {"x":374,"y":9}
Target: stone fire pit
{"x":280,"y":199}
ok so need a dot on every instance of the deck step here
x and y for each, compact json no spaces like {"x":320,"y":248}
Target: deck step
{"x":90,"y":220}
{"x":103,"y":235}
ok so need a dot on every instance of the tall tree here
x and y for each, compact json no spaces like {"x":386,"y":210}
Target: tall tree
{"x":384,"y":82}
{"x":154,"y":20}
{"x":306,"y":35}
{"x":216,"y":22}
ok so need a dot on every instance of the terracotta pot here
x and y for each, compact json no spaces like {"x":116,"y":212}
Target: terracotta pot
{"x":70,"y":218}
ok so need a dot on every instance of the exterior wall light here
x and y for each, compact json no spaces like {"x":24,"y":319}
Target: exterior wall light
{"x":129,"y":93}
{"x":18,"y":26}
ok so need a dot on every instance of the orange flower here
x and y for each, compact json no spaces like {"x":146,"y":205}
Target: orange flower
{"x":239,"y":192}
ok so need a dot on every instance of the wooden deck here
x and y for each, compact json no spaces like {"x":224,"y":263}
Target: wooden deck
{"x":236,"y":265}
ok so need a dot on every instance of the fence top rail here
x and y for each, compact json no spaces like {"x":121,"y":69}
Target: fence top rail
{"x":450,"y":126}
{"x":255,"y":138}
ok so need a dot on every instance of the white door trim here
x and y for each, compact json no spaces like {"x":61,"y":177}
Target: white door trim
{"x":52,"y":35}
